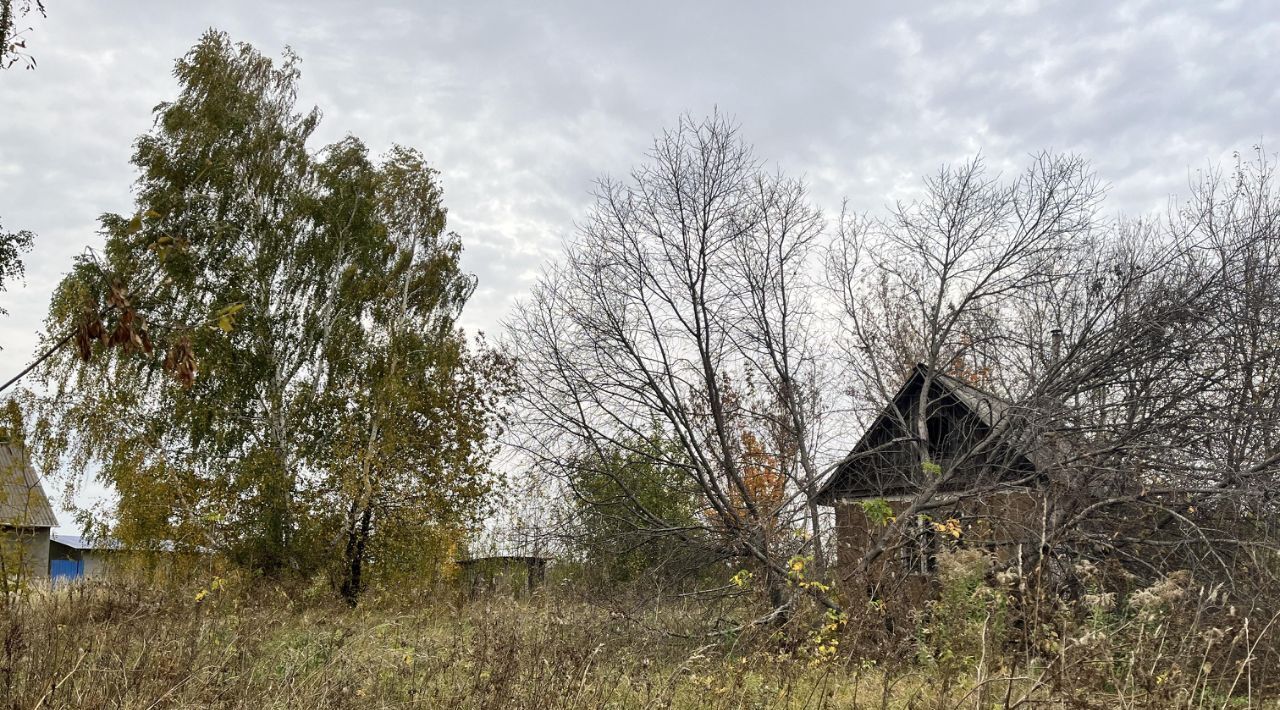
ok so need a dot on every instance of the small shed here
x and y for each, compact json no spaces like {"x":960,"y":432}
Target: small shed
{"x":73,"y":557}
{"x":507,"y":573}
{"x":26,"y":517}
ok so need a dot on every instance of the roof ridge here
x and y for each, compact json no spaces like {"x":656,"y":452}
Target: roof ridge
{"x":961,"y":383}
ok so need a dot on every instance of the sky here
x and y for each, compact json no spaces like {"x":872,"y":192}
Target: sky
{"x":522,"y":105}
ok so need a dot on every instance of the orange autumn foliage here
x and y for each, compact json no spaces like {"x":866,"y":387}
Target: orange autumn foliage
{"x":762,"y":481}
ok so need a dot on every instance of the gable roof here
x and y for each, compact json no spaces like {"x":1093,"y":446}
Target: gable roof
{"x":986,"y":408}
{"x":23,"y":503}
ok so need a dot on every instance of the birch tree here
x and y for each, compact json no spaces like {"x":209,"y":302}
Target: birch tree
{"x":309,"y":301}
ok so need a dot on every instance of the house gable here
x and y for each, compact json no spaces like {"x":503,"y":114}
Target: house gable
{"x":884,"y":462}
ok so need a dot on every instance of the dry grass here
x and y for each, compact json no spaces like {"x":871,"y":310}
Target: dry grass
{"x":100,"y":646}
{"x":256,"y":646}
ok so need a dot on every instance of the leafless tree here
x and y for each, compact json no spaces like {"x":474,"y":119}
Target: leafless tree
{"x":683,"y":306}
{"x":1128,"y":366}
{"x":1124,"y":373}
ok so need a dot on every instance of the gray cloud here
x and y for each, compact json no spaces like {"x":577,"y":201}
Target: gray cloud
{"x":521,"y":105}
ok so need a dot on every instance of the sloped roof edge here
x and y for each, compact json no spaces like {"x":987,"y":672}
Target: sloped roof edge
{"x":23,"y":503}
{"x":986,"y":406}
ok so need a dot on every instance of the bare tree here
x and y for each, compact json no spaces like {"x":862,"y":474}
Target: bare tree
{"x":681,"y":307}
{"x":778,"y":338}
{"x":1122,"y":374}
{"x":934,"y":284}
{"x":1125,"y":367}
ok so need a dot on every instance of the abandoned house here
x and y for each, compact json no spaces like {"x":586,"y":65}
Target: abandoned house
{"x":25,"y":517}
{"x":980,"y":483}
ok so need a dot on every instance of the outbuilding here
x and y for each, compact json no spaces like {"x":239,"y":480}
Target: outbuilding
{"x":506,"y":573}
{"x":26,"y":517}
{"x":73,"y":557}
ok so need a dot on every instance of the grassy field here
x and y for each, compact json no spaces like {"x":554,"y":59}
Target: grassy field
{"x":122,"y":646}
{"x":98,"y":647}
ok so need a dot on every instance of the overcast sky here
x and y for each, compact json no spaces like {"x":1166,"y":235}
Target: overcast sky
{"x":521,"y":105}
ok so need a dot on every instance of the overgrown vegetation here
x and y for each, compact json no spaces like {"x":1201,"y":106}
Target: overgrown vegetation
{"x":229,"y":642}
{"x":616,"y":494}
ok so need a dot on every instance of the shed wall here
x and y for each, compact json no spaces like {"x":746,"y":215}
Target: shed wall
{"x":97,"y":563}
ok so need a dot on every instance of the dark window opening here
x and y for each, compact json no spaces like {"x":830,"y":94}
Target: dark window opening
{"x":921,"y":552}
{"x":942,"y":438}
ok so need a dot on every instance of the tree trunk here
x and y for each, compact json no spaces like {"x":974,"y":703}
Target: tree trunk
{"x":357,"y":542}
